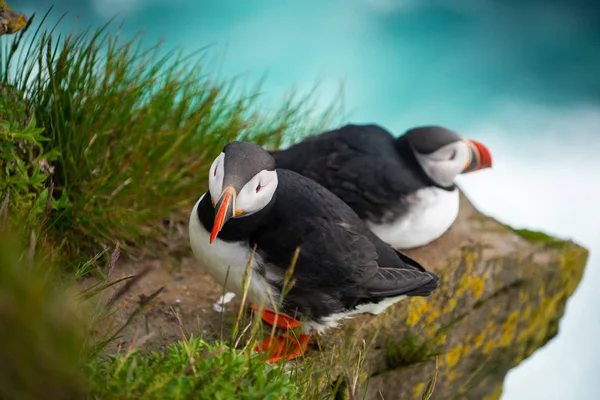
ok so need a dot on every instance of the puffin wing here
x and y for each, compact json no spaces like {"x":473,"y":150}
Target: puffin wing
{"x":337,"y":250}
{"x":397,"y":274}
{"x":391,"y":282}
{"x":365,"y":182}
{"x":331,"y":254}
{"x":335,"y":255}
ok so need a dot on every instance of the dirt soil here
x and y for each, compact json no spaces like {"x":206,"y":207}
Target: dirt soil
{"x":191,"y":292}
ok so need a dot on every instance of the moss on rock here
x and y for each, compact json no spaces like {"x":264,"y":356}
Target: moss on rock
{"x":502,"y":294}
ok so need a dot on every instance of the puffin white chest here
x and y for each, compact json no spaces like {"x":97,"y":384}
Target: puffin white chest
{"x":221,"y":256}
{"x":431,"y":212}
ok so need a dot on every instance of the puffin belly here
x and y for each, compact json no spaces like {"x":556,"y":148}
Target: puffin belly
{"x":431,"y":212}
{"x":220,"y":256}
{"x":333,"y":320}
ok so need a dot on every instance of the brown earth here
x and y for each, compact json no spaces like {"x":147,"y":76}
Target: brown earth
{"x":501,"y":297}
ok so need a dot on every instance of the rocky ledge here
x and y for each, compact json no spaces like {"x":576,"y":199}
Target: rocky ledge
{"x":502,"y":294}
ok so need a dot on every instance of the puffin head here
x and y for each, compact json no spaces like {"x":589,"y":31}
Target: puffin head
{"x":444,"y":154}
{"x":242,"y":181}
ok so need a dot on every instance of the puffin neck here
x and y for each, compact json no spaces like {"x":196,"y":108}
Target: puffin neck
{"x":406,"y":153}
{"x":235,"y":229}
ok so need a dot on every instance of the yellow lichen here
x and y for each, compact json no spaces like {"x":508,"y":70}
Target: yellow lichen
{"x":469,"y":261}
{"x":440,"y":340}
{"x":451,"y":305}
{"x":469,"y":337}
{"x":477,"y":285}
{"x":417,"y":391}
{"x":451,"y":376}
{"x":495,"y":395}
{"x":466,"y":349}
{"x":514,"y":324}
{"x":479,"y":339}
{"x":453,"y":356}
{"x":463,"y":285}
{"x":537,"y":323}
{"x":433,"y":315}
{"x":510,"y":329}
{"x":489,"y":346}
{"x":526,"y":314}
{"x":471,"y":282}
{"x":573,"y":261}
{"x":416,"y":309}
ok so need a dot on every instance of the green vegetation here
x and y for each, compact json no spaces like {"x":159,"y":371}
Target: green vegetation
{"x":191,"y":369}
{"x":41,"y":335}
{"x":26,"y":168}
{"x":101,"y":139}
{"x":410,"y":350}
{"x":129,"y":132}
{"x":540,"y":237}
{"x":45,"y":354}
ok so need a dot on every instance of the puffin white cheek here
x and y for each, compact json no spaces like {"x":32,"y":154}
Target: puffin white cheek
{"x":215,"y":186}
{"x":215,"y":177}
{"x":250,"y":201}
{"x":463,"y":157}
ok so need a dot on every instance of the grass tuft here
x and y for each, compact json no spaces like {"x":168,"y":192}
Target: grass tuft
{"x":410,"y":350}
{"x":540,"y":237}
{"x":133,"y":129}
{"x":41,"y":335}
{"x":189,"y":369}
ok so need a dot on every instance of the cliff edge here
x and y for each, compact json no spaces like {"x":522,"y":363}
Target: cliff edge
{"x":501,"y":296}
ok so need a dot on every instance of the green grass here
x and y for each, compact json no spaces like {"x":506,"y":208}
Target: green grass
{"x":44,"y":353}
{"x":50,"y":350}
{"x":410,"y":350}
{"x":190,"y":369}
{"x":539,"y":237}
{"x":41,"y":333}
{"x":131,"y":130}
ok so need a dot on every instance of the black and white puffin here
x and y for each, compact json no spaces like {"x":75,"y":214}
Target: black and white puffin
{"x":342,"y":268}
{"x":403,"y":188}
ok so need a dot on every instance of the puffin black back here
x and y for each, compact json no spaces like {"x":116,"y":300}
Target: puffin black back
{"x":403,"y":187}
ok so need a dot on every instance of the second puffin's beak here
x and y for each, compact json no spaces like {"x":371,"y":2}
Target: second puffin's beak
{"x":480,"y":157}
{"x":225,"y":209}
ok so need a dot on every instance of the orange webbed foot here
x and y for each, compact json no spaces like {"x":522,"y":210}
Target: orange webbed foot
{"x":278,"y":320}
{"x":283,"y":347}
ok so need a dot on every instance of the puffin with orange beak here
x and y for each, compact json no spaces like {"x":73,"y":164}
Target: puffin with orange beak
{"x":254,"y":213}
{"x":403,"y":188}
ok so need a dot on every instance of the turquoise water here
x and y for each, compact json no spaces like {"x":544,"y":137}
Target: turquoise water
{"x":520,"y":76}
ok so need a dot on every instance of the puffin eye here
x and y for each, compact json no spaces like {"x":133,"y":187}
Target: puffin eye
{"x":258,"y":188}
{"x":215,"y":172}
{"x":453,"y":156}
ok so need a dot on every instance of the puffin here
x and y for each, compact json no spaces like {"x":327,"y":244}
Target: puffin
{"x":259,"y":218}
{"x":402,"y":188}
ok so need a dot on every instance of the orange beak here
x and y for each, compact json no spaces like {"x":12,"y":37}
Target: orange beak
{"x":225,"y":209}
{"x":480,"y":157}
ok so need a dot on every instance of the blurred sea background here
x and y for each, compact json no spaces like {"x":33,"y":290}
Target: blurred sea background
{"x":522,"y":77}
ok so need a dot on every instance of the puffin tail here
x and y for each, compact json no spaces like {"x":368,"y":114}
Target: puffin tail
{"x":410,"y":261}
{"x":426,"y":289}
